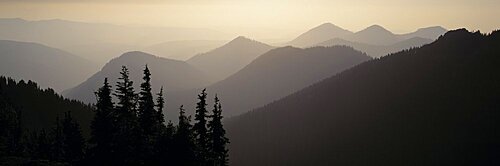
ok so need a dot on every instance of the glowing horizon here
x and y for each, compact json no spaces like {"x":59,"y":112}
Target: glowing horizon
{"x":266,"y":19}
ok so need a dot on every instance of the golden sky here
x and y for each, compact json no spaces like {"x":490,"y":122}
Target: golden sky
{"x":266,"y":18}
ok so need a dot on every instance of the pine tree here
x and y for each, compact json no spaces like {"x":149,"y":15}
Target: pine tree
{"x":184,"y":147}
{"x":148,"y":121}
{"x":43,"y":147}
{"x":160,"y":104}
{"x":127,"y":135}
{"x":74,"y":143}
{"x":200,"y":127}
{"x":218,"y":140}
{"x":57,"y":142}
{"x":102,"y":126}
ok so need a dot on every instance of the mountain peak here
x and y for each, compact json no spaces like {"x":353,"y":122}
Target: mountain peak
{"x":241,"y":38}
{"x":323,"y":32}
{"x":241,"y":41}
{"x":376,"y":28}
{"x":135,"y":54}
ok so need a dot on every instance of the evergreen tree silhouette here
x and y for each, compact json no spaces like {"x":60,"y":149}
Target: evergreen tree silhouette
{"x":127,"y":135}
{"x":184,"y":147}
{"x":160,"y":104}
{"x":42,"y":149}
{"x":57,"y":142}
{"x":102,"y":126}
{"x":218,"y":141}
{"x":200,"y":127}
{"x":74,"y":143}
{"x":148,"y":121}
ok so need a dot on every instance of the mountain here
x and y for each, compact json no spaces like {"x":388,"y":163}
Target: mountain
{"x":171,"y":74}
{"x":50,"y":67}
{"x":183,"y":49}
{"x":379,"y":50}
{"x":80,"y":35}
{"x":38,"y":107}
{"x":429,"y":33}
{"x":319,"y":34}
{"x":229,"y":58}
{"x":375,"y":35}
{"x":273,"y":75}
{"x":434,"y":105}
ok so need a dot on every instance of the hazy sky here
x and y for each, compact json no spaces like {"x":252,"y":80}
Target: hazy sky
{"x":260,"y":18}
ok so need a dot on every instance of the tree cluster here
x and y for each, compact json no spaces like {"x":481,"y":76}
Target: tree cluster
{"x":128,"y":128}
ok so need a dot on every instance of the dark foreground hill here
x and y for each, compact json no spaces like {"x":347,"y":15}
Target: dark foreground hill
{"x":40,"y":107}
{"x":434,"y":105}
{"x":274,"y":75}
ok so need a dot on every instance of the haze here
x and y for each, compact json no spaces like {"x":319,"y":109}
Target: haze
{"x":265,"y":20}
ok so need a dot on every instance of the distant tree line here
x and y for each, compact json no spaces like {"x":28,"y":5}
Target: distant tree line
{"x":131,"y":131}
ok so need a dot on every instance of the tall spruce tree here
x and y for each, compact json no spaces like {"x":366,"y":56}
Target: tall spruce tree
{"x":127,"y":135}
{"x":74,"y":143}
{"x":218,"y":140}
{"x":200,"y":130}
{"x":102,"y":126}
{"x":148,"y":121}
{"x":57,"y":142}
{"x":184,"y":147}
{"x":160,"y":104}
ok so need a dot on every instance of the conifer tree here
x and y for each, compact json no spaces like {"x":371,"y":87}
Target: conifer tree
{"x":218,"y":141}
{"x":160,"y":104}
{"x":184,"y":147}
{"x":102,"y":126}
{"x":127,"y":135}
{"x":200,"y":127}
{"x":57,"y":143}
{"x":74,"y":143}
{"x":42,"y":149}
{"x":148,"y":121}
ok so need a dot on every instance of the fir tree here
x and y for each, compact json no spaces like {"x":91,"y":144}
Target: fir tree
{"x":218,"y":141}
{"x":74,"y":143}
{"x":102,"y":126}
{"x":160,"y":104}
{"x":127,"y":135}
{"x":148,"y":121}
{"x":57,"y":142}
{"x":200,"y":127}
{"x":42,"y":149}
{"x":184,"y":147}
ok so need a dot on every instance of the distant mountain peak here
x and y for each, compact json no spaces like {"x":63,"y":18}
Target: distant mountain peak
{"x":432,"y":28}
{"x":135,"y":53}
{"x":318,"y":34}
{"x":327,"y":26}
{"x":376,"y":29}
{"x":241,"y":38}
{"x":241,"y":41}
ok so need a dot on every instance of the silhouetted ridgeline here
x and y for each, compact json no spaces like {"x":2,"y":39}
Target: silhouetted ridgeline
{"x":49,"y":67}
{"x":226,"y":60}
{"x":172,"y":74}
{"x":434,"y":105}
{"x":276,"y":74}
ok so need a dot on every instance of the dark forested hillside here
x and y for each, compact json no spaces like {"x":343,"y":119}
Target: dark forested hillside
{"x":40,"y":107}
{"x":434,"y":105}
{"x":274,"y":75}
